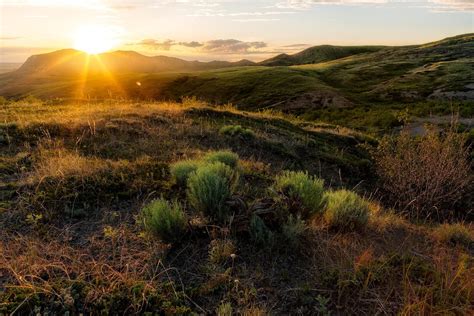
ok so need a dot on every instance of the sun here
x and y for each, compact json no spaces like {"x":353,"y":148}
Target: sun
{"x":95,"y":39}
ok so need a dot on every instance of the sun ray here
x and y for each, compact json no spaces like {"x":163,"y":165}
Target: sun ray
{"x":83,"y":79}
{"x":109,"y":76}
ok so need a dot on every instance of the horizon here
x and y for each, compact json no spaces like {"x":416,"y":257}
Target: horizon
{"x":209,"y":60}
{"x":223,"y":29}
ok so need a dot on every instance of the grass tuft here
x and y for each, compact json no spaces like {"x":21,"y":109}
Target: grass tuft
{"x":237,"y":131}
{"x":209,"y":188}
{"x":346,"y":210}
{"x":226,"y":157}
{"x":302,"y":189}
{"x":456,"y":234}
{"x":165,"y":220}
{"x":181,"y":170}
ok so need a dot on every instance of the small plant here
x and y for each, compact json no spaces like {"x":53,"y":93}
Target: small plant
{"x":259,"y":231}
{"x":226,"y":157}
{"x":209,"y":188}
{"x":221,"y":250}
{"x":305,"y":191}
{"x":34,"y":219}
{"x":181,"y":170}
{"x":165,"y":220}
{"x":346,"y":210}
{"x":224,"y":309}
{"x":456,"y":234}
{"x":293,"y":229}
{"x":322,"y":307}
{"x":237,"y":131}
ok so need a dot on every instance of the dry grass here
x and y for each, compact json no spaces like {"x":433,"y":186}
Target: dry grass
{"x":81,"y":277}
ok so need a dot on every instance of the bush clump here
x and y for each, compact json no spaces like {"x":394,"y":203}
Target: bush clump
{"x":456,"y":234}
{"x":209,"y":187}
{"x":181,"y":170}
{"x":423,"y":175}
{"x":346,"y":210}
{"x":164,"y":219}
{"x":226,"y":157}
{"x":305,"y":192}
{"x":237,"y":131}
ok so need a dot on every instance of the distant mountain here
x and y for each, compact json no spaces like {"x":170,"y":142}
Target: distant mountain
{"x":73,"y":62}
{"x":318,"y":54}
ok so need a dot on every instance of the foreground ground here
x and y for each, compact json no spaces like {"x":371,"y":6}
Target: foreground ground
{"x":74,"y":177}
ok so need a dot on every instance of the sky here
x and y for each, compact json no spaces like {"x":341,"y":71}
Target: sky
{"x":223,"y":29}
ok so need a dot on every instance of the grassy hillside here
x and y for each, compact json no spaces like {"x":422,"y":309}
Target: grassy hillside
{"x":75,"y":177}
{"x":367,"y":89}
{"x":318,"y":54}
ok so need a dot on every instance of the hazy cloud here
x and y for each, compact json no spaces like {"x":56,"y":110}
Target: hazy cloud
{"x":461,"y":5}
{"x":232,"y":46}
{"x":220,"y":46}
{"x":9,"y":38}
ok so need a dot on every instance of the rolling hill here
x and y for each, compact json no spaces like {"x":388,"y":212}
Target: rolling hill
{"x":318,"y":54}
{"x":356,"y":86}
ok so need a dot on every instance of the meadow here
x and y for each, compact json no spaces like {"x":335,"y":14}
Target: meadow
{"x":122,"y":206}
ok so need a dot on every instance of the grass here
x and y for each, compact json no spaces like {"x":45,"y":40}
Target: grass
{"x":70,"y":241}
{"x":359,"y":87}
{"x":346,"y":210}
{"x":209,"y":188}
{"x":455,"y":234}
{"x":165,"y":220}
{"x":181,"y":170}
{"x":305,"y":191}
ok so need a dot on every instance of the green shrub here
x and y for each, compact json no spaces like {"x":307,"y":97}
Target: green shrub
{"x":346,"y":210}
{"x":237,"y":131}
{"x":453,"y":234}
{"x":209,"y":188}
{"x":165,"y":220}
{"x":226,"y":157}
{"x":293,"y":229}
{"x":304,"y":190}
{"x":259,"y":231}
{"x":181,"y":170}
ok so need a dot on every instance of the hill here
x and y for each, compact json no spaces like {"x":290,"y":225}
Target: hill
{"x":318,"y":54}
{"x":367,"y":88}
{"x":70,"y":62}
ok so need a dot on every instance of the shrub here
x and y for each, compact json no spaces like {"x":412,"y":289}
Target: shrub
{"x":453,"y":234}
{"x":293,"y":229}
{"x":423,"y":175}
{"x":237,"y":131}
{"x":209,"y":188}
{"x":305,"y":191}
{"x":259,"y":231}
{"x":346,"y":210}
{"x":165,"y":220}
{"x":181,"y":170}
{"x":226,"y":157}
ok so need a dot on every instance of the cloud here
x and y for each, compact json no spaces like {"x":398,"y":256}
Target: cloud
{"x":155,"y":44}
{"x":9,"y":38}
{"x":220,"y":46}
{"x":232,"y":46}
{"x":459,"y":5}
